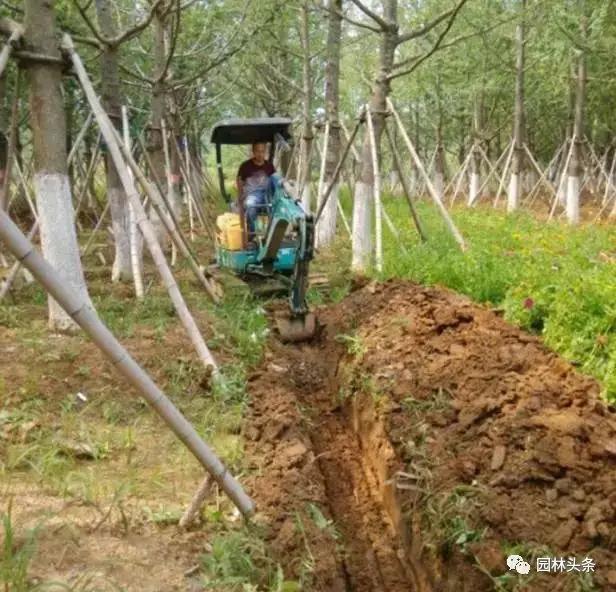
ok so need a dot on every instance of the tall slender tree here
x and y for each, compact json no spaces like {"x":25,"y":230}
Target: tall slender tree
{"x":51,"y":183}
{"x":517,"y":161}
{"x":326,"y":229}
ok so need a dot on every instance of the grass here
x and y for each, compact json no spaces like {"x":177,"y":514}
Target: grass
{"x":549,"y":278}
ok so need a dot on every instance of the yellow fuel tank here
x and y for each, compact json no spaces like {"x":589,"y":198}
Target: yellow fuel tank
{"x":229,"y":231}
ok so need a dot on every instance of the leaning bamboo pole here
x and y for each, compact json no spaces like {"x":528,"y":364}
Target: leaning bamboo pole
{"x":337,"y":171}
{"x":501,"y":185}
{"x":166,"y":275}
{"x":418,"y":164}
{"x":12,"y":275}
{"x":530,"y":198}
{"x":376,"y":188}
{"x":7,"y":48}
{"x":171,"y":224}
{"x":404,"y":181}
{"x":493,"y":170}
{"x":85,"y":316}
{"x":87,"y":246}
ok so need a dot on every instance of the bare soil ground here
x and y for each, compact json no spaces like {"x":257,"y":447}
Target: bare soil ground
{"x":437,"y":439}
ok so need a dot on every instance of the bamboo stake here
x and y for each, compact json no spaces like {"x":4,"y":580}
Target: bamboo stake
{"x":376,"y":187}
{"x":439,"y":204}
{"x":80,"y":136}
{"x":543,"y":177}
{"x":134,"y":239}
{"x":29,"y":198}
{"x":405,"y":187}
{"x":86,"y":248}
{"x":460,"y":181}
{"x":429,"y":172}
{"x":393,"y":229}
{"x":12,"y":275}
{"x":186,"y":171}
{"x":536,"y":165}
{"x":172,"y":226}
{"x":16,"y":267}
{"x":504,"y":177}
{"x":611,"y":176}
{"x":197,"y":501}
{"x":491,"y":172}
{"x":454,"y":179}
{"x":492,"y":168}
{"x":89,"y":174}
{"x":6,"y":182}
{"x":336,"y":174}
{"x":347,"y":136}
{"x":109,"y":134}
{"x":345,"y":222}
{"x":88,"y":320}
{"x":7,"y":48}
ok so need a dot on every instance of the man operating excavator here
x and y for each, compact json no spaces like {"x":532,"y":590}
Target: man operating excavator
{"x":253,"y":183}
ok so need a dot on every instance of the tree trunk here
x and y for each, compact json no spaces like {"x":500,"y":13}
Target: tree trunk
{"x":575,"y":164}
{"x":513,"y":195}
{"x":4,"y":142}
{"x":362,"y":199}
{"x":307,"y":135}
{"x":112,"y":101}
{"x":326,"y":229}
{"x":475,"y":183}
{"x":51,"y":185}
{"x":439,"y":156}
{"x":155,"y":140}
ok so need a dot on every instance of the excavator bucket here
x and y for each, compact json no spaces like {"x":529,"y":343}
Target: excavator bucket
{"x":297,"y":328}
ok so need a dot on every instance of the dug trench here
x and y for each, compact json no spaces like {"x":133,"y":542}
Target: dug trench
{"x":419,"y":440}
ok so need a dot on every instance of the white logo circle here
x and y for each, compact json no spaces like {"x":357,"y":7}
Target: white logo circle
{"x":513,"y":560}
{"x":522,"y":567}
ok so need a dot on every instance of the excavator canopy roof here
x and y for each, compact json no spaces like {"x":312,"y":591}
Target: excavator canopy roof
{"x":249,"y":131}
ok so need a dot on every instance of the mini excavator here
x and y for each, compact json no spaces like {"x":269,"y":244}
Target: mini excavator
{"x":283,"y":243}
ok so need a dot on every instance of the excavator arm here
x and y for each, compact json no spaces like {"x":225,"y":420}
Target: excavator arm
{"x":286,"y":211}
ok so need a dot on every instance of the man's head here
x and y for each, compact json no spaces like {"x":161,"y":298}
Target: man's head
{"x":259,"y":152}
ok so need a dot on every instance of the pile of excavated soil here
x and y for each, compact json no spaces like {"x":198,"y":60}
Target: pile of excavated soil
{"x":424,"y":424}
{"x":475,"y":407}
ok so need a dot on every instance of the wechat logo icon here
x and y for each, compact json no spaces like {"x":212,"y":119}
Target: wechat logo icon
{"x":517,"y":562}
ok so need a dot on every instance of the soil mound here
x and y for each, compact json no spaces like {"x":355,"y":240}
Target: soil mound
{"x":503,"y":445}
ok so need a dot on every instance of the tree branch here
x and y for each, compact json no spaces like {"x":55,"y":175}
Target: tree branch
{"x":428,"y":27}
{"x":121,"y":37}
{"x":456,"y":40}
{"x":420,"y":60}
{"x":383,"y":24}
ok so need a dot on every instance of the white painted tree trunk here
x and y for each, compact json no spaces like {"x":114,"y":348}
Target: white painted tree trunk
{"x":473,"y":192}
{"x":59,"y":241}
{"x":513,"y":192}
{"x":362,"y":227}
{"x":121,"y":269}
{"x":307,"y":197}
{"x":439,"y":184}
{"x":573,"y":199}
{"x":326,"y":228}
